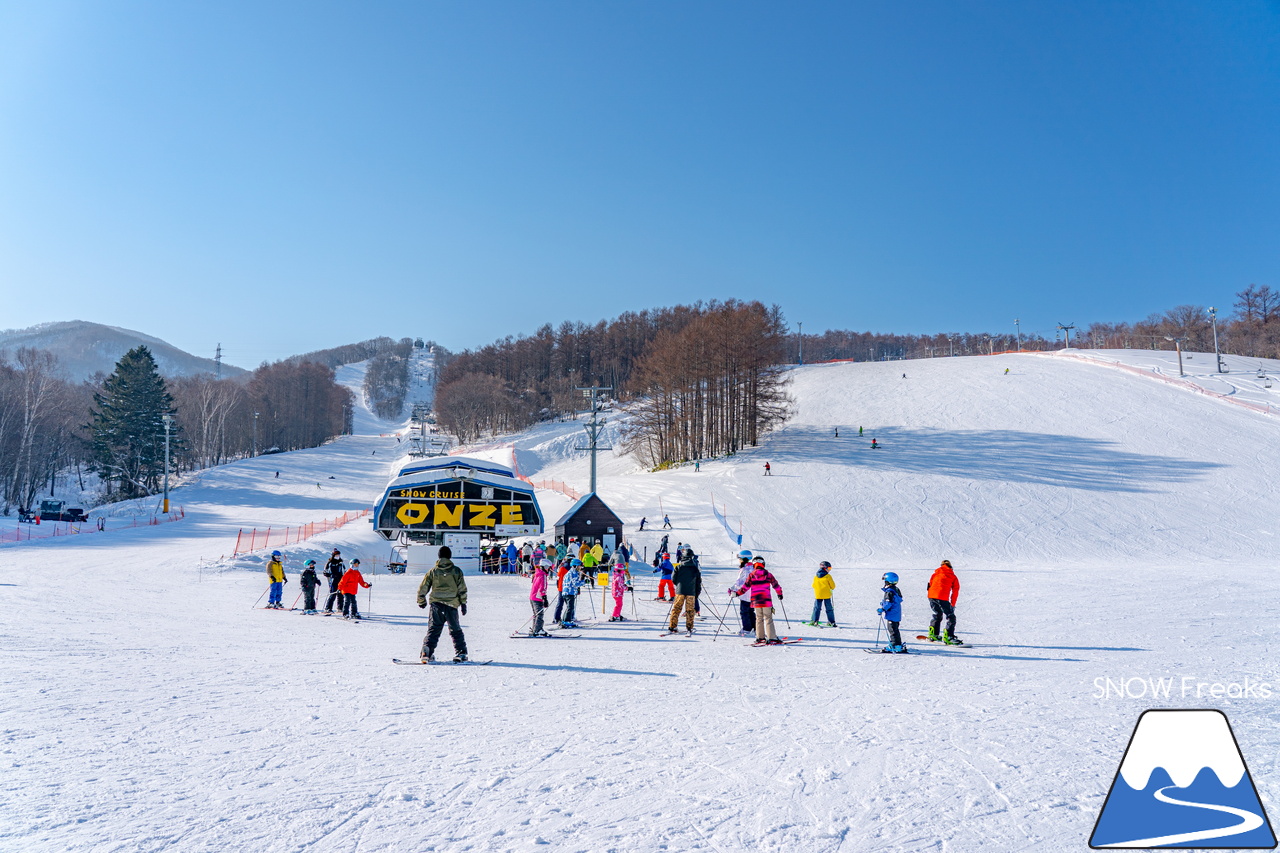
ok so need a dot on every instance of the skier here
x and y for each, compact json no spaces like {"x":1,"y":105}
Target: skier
{"x":602,"y":568}
{"x":334,"y":570}
{"x":309,"y":583}
{"x":349,"y":586}
{"x":446,"y":589}
{"x":687,"y":578}
{"x":823,"y":585}
{"x":562,"y":569}
{"x":745,"y":612}
{"x":874,"y":446}
{"x":697,"y":466}
{"x":642,"y":521}
{"x":618,"y":589}
{"x":526,"y":558}
{"x":662,"y":546}
{"x":759,"y":582}
{"x":666,"y":523}
{"x":944,"y":589}
{"x":665,"y":586}
{"x":572,"y":586}
{"x":1006,"y":371}
{"x":277,"y":579}
{"x":837,"y":432}
{"x":538,"y":599}
{"x":767,"y":469}
{"x":891,"y":609}
{"x":513,"y":557}
{"x":859,"y":432}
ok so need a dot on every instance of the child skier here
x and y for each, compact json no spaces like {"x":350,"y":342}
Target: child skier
{"x":309,"y":583}
{"x":618,"y":588}
{"x":891,"y":609}
{"x":759,"y":582}
{"x":562,"y":569}
{"x":823,"y":585}
{"x":665,"y":586}
{"x":334,"y":570}
{"x":572,"y":585}
{"x":349,"y":586}
{"x":447,"y":591}
{"x":538,"y":599}
{"x":745,"y":612}
{"x":944,"y":589}
{"x":277,"y":579}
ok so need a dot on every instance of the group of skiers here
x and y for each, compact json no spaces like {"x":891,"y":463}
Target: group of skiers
{"x":344,"y":584}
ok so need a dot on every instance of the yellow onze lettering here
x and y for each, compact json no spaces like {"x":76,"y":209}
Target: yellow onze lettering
{"x":512,"y":514}
{"x":483,"y":515}
{"x":449,"y":516}
{"x":413,"y":513}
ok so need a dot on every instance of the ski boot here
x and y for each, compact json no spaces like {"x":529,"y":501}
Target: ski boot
{"x":427,"y":657}
{"x":460,"y":657}
{"x":773,"y":642}
{"x":951,"y":639}
{"x":933,"y":635}
{"x":832,"y":625}
{"x":896,"y":649}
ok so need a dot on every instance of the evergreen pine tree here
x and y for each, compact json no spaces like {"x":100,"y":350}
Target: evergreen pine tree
{"x":127,"y":431}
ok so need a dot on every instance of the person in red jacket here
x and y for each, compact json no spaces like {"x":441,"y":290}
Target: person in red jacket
{"x":944,"y":589}
{"x":350,"y":584}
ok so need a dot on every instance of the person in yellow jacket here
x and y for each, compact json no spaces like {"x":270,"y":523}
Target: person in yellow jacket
{"x":277,"y":579}
{"x":823,"y":585}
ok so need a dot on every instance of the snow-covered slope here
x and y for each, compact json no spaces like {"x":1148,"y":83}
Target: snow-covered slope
{"x":1103,"y":525}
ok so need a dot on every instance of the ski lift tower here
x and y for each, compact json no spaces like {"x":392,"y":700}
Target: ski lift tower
{"x":593,"y":428}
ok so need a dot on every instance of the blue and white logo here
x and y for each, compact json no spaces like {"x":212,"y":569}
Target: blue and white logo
{"x":1183,"y":783}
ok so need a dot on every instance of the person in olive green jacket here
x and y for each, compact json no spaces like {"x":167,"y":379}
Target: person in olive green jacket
{"x":445,"y":589}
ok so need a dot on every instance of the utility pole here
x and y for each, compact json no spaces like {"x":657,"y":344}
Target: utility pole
{"x":217,"y":362}
{"x":1213,"y":313}
{"x":255,"y":433}
{"x":1017,"y":324}
{"x":953,"y":345}
{"x":593,"y":428}
{"x":168,"y":422}
{"x":1066,"y":329}
{"x":1177,"y":344}
{"x":801,"y":325}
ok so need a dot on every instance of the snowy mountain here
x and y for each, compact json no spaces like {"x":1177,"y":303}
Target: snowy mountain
{"x":1103,"y":522}
{"x":85,"y":348}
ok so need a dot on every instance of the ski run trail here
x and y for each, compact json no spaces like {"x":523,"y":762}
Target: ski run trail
{"x":1106,"y":520}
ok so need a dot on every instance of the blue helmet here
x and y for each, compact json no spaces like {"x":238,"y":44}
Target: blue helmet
{"x":890,"y":577}
{"x":745,"y":553}
{"x":275,"y":553}
{"x":576,"y":563}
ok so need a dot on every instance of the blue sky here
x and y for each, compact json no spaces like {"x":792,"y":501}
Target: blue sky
{"x":282,"y":177}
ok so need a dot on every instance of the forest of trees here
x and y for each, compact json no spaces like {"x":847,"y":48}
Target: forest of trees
{"x":386,"y":381}
{"x":49,"y":426}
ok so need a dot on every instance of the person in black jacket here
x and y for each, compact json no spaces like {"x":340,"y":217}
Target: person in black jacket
{"x":688,"y":583}
{"x":334,"y":570}
{"x":309,"y":583}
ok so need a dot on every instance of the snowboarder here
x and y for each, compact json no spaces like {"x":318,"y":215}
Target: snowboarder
{"x":350,"y":586}
{"x":687,"y":579}
{"x":891,"y":609}
{"x":445,"y":589}
{"x":333,"y":570}
{"x":277,"y":579}
{"x":823,"y":585}
{"x":874,"y":445}
{"x":309,"y":583}
{"x":642,"y":521}
{"x":759,"y":582}
{"x":746,"y":614}
{"x":665,"y":586}
{"x":572,"y":586}
{"x":618,"y":589}
{"x":666,"y":522}
{"x":1006,"y":371}
{"x":538,"y":599}
{"x":767,"y":469}
{"x":944,"y":589}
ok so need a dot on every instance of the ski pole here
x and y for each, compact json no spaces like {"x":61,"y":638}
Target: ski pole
{"x":634,"y":616}
{"x":784,"y":610}
{"x":264,"y":592}
{"x":878,"y":624}
{"x":721,"y":625}
{"x":294,"y":606}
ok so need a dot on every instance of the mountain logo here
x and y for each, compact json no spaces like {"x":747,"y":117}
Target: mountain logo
{"x":1183,"y":783}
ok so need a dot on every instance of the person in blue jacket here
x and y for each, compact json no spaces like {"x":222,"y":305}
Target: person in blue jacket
{"x":572,"y":586}
{"x":513,"y":557}
{"x":891,"y":609}
{"x":665,"y":585}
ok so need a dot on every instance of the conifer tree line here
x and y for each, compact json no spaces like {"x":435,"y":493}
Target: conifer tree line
{"x":113,"y":425}
{"x":386,"y":381}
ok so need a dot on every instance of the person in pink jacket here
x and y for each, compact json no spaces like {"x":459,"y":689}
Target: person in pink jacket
{"x":538,"y":598}
{"x":758,"y":584}
{"x":618,"y":589}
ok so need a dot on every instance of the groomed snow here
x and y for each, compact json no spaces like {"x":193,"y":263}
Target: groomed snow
{"x":1103,"y":525}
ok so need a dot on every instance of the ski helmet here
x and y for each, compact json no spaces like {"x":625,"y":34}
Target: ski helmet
{"x":309,"y":563}
{"x":275,"y":553}
{"x":759,"y":561}
{"x":546,"y":564}
{"x":745,"y":553}
{"x":824,"y":565}
{"x":890,"y":577}
{"x":576,"y":563}
{"x":355,"y":563}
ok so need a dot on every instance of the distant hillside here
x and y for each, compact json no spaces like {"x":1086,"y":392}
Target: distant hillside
{"x":85,"y":348}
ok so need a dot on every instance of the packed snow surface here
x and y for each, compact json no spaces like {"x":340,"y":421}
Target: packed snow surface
{"x":1109,"y":530}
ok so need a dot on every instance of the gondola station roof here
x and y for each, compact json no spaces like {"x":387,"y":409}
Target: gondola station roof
{"x":589,"y":517}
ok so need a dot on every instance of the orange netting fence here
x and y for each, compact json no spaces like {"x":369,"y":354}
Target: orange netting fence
{"x":276,"y":537}
{"x":25,"y":532}
{"x":555,"y":486}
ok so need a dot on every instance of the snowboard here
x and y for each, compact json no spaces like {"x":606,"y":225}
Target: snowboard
{"x":440,"y":662}
{"x":925,"y":637}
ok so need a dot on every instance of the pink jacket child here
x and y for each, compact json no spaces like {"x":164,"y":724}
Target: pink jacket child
{"x":618,"y":588}
{"x":538,"y":598}
{"x":758,"y":583}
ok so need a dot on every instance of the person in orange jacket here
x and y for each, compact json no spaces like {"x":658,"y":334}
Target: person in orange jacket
{"x":944,"y":589}
{"x":350,"y":584}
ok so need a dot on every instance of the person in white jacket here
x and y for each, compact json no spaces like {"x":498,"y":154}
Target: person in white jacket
{"x":745,"y":611}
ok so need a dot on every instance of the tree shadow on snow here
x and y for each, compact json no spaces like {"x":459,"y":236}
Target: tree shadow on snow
{"x":1000,"y":455}
{"x":564,"y":668}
